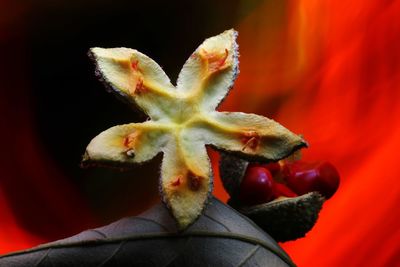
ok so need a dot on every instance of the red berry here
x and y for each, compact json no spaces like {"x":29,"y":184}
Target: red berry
{"x":280,"y":189}
{"x":304,"y":177}
{"x":274,"y":168}
{"x":256,"y":186}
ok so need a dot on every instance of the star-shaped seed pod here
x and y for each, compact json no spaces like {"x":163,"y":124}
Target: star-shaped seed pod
{"x":183,"y":120}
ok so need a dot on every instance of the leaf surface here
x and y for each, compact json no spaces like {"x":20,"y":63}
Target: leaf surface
{"x":221,"y":237}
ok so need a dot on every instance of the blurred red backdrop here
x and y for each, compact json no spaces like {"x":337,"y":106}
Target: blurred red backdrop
{"x":329,"y":70}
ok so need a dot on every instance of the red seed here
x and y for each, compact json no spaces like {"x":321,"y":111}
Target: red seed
{"x":256,"y":187}
{"x":304,"y":177}
{"x":280,"y":189}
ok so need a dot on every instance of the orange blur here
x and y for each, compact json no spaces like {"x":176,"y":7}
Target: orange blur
{"x":330,"y":70}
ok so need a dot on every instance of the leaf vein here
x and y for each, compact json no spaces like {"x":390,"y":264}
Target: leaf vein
{"x":43,"y":257}
{"x":154,"y":222}
{"x":218,"y":222}
{"x":249,"y":255}
{"x":112,"y":254}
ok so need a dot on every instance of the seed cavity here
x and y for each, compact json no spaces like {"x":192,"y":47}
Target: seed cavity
{"x":140,"y":88}
{"x":135,"y":65}
{"x":250,"y":139}
{"x":137,"y":87}
{"x":194,"y":181}
{"x":131,"y":139}
{"x":216,"y":61}
{"x":177,"y":181}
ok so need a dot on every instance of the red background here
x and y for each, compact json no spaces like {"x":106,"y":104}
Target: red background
{"x":329,"y":70}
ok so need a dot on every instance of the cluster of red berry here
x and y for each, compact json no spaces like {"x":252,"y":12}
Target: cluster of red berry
{"x":264,"y":183}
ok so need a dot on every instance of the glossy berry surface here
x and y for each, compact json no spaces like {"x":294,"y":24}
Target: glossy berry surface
{"x":304,"y":177}
{"x":257,"y":186}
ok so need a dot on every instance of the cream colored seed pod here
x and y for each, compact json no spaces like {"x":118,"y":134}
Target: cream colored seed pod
{"x":183,"y":120}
